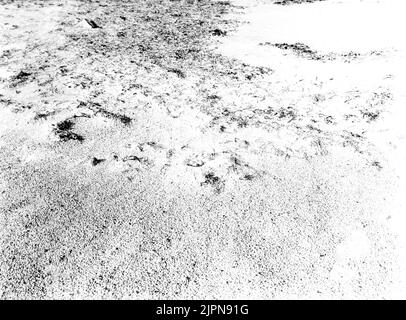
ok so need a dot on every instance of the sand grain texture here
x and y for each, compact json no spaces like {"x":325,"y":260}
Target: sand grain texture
{"x":201,"y":149}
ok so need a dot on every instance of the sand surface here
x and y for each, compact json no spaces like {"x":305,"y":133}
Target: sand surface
{"x":212,"y":149}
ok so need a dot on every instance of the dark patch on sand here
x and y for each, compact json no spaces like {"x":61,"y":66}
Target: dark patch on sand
{"x":64,"y":131}
{"x":20,"y":78}
{"x":97,"y":108}
{"x":93,"y":24}
{"x":288,"y":2}
{"x":178,"y":72}
{"x":304,"y":51}
{"x":95,"y":161}
{"x":213,"y":180}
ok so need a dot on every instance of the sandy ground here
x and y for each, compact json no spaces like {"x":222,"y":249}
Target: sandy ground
{"x":212,"y":149}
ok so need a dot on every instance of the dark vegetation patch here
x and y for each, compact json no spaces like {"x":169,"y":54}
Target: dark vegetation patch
{"x":178,"y":72}
{"x":17,"y":106}
{"x":97,"y":108}
{"x":313,"y":128}
{"x":219,"y":32}
{"x":20,"y":78}
{"x":252,"y":117}
{"x":352,"y":56}
{"x":288,"y":113}
{"x":64,"y":130}
{"x":354,"y":140}
{"x":169,"y":34}
{"x":375,"y":105}
{"x":287,"y":2}
{"x":298,"y":48}
{"x":120,"y":117}
{"x":370,"y":115}
{"x":65,"y":125}
{"x":224,"y":3}
{"x":243,"y":169}
{"x":212,"y":180}
{"x":214,"y":97}
{"x":304,"y":51}
{"x":158,"y":37}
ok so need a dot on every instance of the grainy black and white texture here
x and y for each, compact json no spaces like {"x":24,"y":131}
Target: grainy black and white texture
{"x":180,"y":149}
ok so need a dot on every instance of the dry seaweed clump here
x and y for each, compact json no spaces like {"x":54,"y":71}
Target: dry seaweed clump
{"x":300,"y":49}
{"x":166,"y":33}
{"x":64,"y":130}
{"x":211,"y":179}
{"x":287,"y":2}
{"x":20,"y":78}
{"x":304,"y":51}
